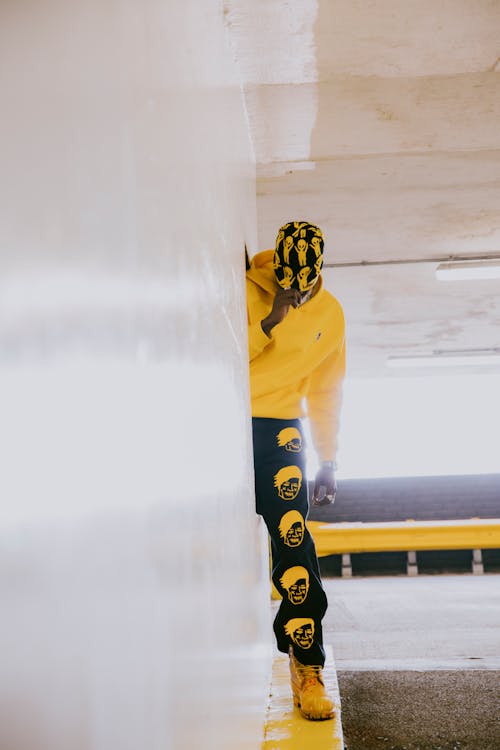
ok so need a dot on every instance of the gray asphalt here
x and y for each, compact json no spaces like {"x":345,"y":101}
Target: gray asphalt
{"x":442,"y":710}
{"x":418,"y":661}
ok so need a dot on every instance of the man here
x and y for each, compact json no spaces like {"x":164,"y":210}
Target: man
{"x":297,"y":364}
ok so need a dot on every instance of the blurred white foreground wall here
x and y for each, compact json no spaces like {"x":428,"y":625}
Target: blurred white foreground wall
{"x":133,"y":580}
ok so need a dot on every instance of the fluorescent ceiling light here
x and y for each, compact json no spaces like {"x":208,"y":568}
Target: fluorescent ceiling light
{"x":451,"y":358}
{"x":468,"y":269}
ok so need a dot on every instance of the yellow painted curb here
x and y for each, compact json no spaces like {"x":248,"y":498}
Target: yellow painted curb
{"x":285,"y":727}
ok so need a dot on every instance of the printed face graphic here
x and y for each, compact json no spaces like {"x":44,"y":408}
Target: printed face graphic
{"x":304,"y":636}
{"x":301,"y":631}
{"x":289,"y":489}
{"x":298,"y":591}
{"x":292,"y":529}
{"x":290,"y":439}
{"x":296,"y":581}
{"x":288,"y":482}
{"x":295,"y":535}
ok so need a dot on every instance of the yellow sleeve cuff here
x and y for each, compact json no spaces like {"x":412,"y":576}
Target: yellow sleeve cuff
{"x":257,"y":340}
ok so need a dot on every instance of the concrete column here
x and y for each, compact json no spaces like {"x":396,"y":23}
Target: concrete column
{"x":133,"y":581}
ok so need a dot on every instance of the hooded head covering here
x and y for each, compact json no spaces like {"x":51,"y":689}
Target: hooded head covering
{"x":298,"y":256}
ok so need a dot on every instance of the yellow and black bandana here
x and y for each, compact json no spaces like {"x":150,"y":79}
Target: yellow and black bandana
{"x":298,"y":257}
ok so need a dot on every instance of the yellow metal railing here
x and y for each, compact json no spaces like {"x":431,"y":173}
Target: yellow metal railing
{"x":400,"y":536}
{"x":411,"y":537}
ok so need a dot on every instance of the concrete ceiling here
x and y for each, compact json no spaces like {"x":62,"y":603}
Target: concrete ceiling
{"x":380,"y":121}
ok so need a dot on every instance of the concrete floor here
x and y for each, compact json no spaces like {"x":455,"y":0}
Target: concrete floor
{"x":418,"y":661}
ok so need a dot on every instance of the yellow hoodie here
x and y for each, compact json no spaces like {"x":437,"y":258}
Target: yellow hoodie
{"x":299,"y":370}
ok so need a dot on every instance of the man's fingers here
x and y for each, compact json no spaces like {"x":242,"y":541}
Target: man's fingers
{"x":289,"y":297}
{"x":326,"y":500}
{"x":325,"y":488}
{"x":319,"y":491}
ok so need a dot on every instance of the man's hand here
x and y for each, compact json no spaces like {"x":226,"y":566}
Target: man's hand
{"x":281,"y":305}
{"x":325,"y":485}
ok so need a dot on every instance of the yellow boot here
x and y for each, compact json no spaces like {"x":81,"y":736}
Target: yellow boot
{"x":309,"y":694}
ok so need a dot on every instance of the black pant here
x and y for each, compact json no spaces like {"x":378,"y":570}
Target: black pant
{"x":281,"y":499}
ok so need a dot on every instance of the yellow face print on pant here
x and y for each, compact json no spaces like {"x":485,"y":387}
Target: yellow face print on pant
{"x":290,"y":439}
{"x":288,"y":482}
{"x":301,"y":631}
{"x":291,"y":528}
{"x":296,"y":581}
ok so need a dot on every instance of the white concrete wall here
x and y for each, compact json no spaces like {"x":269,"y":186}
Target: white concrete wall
{"x":133,"y":577}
